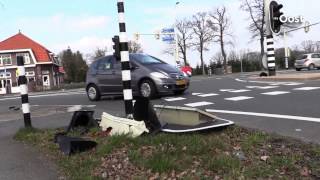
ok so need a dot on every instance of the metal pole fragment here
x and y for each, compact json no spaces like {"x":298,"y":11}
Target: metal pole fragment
{"x":22,"y":82}
{"x":125,"y":63}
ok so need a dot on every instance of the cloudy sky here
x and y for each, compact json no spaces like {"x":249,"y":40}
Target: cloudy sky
{"x":87,"y":24}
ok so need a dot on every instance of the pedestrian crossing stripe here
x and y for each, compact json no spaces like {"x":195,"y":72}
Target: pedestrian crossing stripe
{"x":306,"y":88}
{"x":238,"y":98}
{"x":174,"y":99}
{"x":208,"y":95}
{"x":274,"y":93}
{"x":198,"y":104}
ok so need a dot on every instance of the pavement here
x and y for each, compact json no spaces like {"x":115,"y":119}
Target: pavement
{"x":290,"y":77}
{"x":288,"y":108}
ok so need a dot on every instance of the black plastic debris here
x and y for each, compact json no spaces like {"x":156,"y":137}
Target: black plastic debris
{"x":143,"y":111}
{"x":70,"y":145}
{"x":83,"y":120}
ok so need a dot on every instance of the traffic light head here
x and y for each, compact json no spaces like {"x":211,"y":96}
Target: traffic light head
{"x":116,"y":47}
{"x":275,"y":14}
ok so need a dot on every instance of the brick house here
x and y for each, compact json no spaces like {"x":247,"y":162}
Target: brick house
{"x":43,"y":69}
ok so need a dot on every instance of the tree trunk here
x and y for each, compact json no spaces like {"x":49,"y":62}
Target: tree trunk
{"x":262,"y":50}
{"x":202,"y":63}
{"x":185,"y":53}
{"x":225,"y":65}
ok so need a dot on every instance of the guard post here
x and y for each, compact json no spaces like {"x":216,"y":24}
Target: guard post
{"x":22,"y":82}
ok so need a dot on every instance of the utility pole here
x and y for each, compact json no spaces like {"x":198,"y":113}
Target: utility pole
{"x":286,"y":50}
{"x":176,"y":54}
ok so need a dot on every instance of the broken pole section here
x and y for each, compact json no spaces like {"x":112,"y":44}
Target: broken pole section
{"x":22,"y":82}
{"x":125,"y":63}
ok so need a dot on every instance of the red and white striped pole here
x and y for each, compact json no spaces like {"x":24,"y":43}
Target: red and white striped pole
{"x":125,"y":63}
{"x":22,"y":82}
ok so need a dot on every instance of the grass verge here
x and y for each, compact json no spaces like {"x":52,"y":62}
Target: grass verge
{"x":232,"y":153}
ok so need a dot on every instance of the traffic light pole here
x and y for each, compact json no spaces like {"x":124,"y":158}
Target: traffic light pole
{"x":125,"y":63}
{"x":270,"y":42}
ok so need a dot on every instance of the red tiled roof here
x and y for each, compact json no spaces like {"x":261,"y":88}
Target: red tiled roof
{"x":20,"y":41}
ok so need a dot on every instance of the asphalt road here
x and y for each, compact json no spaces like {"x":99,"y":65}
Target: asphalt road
{"x":286,"y":108}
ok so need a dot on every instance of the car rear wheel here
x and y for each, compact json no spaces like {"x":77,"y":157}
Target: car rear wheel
{"x":298,"y":69}
{"x":147,"y":89}
{"x":93,"y":93}
{"x":311,"y":67}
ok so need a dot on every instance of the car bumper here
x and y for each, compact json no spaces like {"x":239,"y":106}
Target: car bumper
{"x":170,"y":85}
{"x":300,"y":66}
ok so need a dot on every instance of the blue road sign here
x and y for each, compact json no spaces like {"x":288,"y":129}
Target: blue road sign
{"x":167,"y":30}
{"x":168,"y":38}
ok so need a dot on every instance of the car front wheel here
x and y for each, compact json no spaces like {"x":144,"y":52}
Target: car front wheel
{"x":178,"y":92}
{"x":147,"y":89}
{"x":298,"y":69}
{"x":311,"y":67}
{"x":93,"y":93}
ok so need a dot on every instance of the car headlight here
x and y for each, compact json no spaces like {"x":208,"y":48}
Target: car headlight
{"x":159,"y":75}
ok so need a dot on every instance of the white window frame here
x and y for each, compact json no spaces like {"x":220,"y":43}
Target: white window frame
{"x":2,"y":58}
{"x":30,"y":73}
{"x":26,"y":57}
{"x":3,"y":75}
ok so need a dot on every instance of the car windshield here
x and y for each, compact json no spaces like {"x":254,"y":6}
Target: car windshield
{"x":304,"y":56}
{"x":146,"y":59}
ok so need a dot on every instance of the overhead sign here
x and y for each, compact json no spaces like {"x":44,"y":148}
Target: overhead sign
{"x":289,"y":19}
{"x":167,"y":30}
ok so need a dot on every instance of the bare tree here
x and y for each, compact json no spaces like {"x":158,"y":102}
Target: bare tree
{"x":220,"y":21}
{"x":135,"y":47}
{"x":203,"y":34}
{"x":308,"y":46}
{"x":255,"y":8}
{"x":99,"y":52}
{"x":184,"y":37}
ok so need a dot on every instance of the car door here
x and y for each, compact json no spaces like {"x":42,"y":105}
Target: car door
{"x":105,"y":75}
{"x":117,"y":76}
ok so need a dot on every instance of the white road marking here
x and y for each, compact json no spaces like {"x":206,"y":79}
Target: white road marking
{"x":298,"y":130}
{"x":274,"y":93}
{"x":195,"y":94}
{"x":306,"y":88}
{"x":174,"y":99}
{"x":239,"y":98}
{"x":293,"y":84}
{"x":197,"y":104}
{"x":240,"y":80}
{"x":261,"y":87}
{"x":208,"y":95}
{"x":279,"y":116}
{"x":240,"y":91}
{"x":74,"y":108}
{"x":46,"y":95}
{"x":226,"y":90}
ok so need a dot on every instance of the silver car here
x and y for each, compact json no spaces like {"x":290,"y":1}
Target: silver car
{"x":149,"y":77}
{"x":309,"y":61}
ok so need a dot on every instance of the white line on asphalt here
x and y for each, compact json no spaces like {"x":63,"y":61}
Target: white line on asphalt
{"x":240,"y":91}
{"x":279,"y":116}
{"x":174,"y":99}
{"x":239,"y":98}
{"x":292,"y":84}
{"x":195,"y":94}
{"x":262,"y":87}
{"x":240,"y":80}
{"x":197,"y":104}
{"x":274,"y":93}
{"x":208,"y":95}
{"x":306,"y":88}
{"x":226,"y":90}
{"x":45,"y":95}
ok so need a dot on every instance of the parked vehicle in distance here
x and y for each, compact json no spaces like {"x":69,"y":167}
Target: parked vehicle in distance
{"x":149,"y":77}
{"x":309,"y":61}
{"x":187,"y":70}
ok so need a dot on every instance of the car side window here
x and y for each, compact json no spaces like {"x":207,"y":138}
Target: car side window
{"x":105,"y":64}
{"x":315,"y":56}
